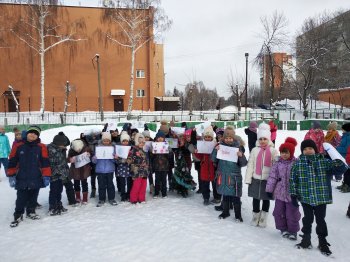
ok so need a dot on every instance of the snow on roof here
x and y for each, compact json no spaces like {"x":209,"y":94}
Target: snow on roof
{"x":331,"y":90}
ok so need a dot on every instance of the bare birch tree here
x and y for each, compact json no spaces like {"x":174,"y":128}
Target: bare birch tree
{"x":39,"y":30}
{"x":137,"y":23}
{"x":237,"y":89}
{"x":274,"y":36}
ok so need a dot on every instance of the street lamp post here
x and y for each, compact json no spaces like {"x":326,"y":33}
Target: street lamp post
{"x":246,"y":83}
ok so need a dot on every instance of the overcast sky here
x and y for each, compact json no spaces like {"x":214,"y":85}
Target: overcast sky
{"x":209,"y":38}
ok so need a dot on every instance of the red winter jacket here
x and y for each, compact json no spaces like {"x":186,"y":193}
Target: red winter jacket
{"x":207,"y":167}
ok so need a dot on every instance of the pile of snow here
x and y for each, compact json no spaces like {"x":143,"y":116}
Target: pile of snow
{"x":172,"y":229}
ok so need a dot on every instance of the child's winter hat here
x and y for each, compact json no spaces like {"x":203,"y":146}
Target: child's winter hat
{"x":316,"y":124}
{"x":106,"y":136}
{"x":60,"y":139}
{"x":124,"y":136}
{"x":219,"y":132}
{"x":160,"y":133}
{"x":253,"y":126}
{"x":264,"y":131}
{"x":290,"y":143}
{"x":139,"y":138}
{"x":77,"y":145}
{"x":146,"y":133}
{"x":332,"y":126}
{"x":308,"y":143}
{"x":164,"y":127}
{"x":346,"y":127}
{"x":229,"y":132}
{"x":34,"y":129}
{"x":208,"y":132}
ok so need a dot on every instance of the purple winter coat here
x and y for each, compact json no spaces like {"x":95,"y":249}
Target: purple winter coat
{"x":278,"y":180}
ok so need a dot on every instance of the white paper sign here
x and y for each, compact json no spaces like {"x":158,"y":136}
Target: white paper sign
{"x":138,"y":124}
{"x":122,"y":151}
{"x":111,"y":126}
{"x":201,"y":127}
{"x":227,"y":153}
{"x":104,"y":152}
{"x":333,"y":153}
{"x":178,"y":130}
{"x":82,"y":160}
{"x":147,"y":146}
{"x":205,"y":147}
{"x":173,"y":142}
{"x":160,"y":148}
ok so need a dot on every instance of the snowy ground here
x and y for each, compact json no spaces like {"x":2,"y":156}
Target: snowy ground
{"x":172,"y":229}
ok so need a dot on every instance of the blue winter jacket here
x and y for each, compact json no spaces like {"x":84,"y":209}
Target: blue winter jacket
{"x":104,"y":166}
{"x":344,"y":144}
{"x":4,"y":146}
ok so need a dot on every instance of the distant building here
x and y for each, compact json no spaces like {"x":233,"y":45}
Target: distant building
{"x":339,"y":96}
{"x":20,"y":67}
{"x":281,"y":69}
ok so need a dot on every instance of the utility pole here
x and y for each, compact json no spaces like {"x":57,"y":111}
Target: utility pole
{"x":246,"y":84}
{"x":100,"y":101}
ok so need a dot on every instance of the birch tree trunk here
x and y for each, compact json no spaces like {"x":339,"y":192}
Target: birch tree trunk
{"x":131,"y":100}
{"x":42,"y":67}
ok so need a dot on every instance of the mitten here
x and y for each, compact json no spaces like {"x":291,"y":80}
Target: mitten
{"x":46,"y":181}
{"x":294,"y":200}
{"x":269,"y":194}
{"x":12,"y":181}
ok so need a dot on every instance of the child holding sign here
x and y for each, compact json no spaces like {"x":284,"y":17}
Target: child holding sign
{"x":259,"y":165}
{"x":228,"y":174}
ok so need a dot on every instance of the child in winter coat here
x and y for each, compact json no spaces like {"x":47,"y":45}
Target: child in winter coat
{"x":259,"y":165}
{"x":147,"y":135}
{"x":251,"y":132}
{"x":59,"y":172}
{"x":342,"y":149}
{"x":160,"y":166}
{"x":273,"y":130}
{"x":79,"y":174}
{"x":286,"y":215}
{"x":207,"y":172}
{"x":5,"y":149}
{"x":105,"y":173}
{"x":316,"y":134}
{"x":28,"y":171}
{"x":332,"y":137}
{"x":310,"y":183}
{"x":139,"y":166}
{"x":123,"y":170}
{"x":228,"y":175}
{"x":18,"y":136}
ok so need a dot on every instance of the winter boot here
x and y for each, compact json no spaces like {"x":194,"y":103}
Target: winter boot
{"x":219,"y":208}
{"x":206,"y":202}
{"x":305,"y":242}
{"x":341,"y":186}
{"x":85,"y":197}
{"x":263,"y":219}
{"x":17,"y":219}
{"x":226,"y":210}
{"x":77,"y":197}
{"x":292,"y":236}
{"x":33,"y":216}
{"x":348,"y":213}
{"x":54,"y":212}
{"x":238,"y":215}
{"x":61,"y":208}
{"x":255,"y":219}
{"x":92,"y":194}
{"x":323,"y":246}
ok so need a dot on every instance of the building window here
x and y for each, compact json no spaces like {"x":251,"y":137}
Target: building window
{"x":158,"y":85}
{"x":140,"y":73}
{"x":140,"y":93}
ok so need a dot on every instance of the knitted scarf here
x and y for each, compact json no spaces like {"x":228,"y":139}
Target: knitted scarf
{"x":330,"y":136}
{"x":266,"y":152}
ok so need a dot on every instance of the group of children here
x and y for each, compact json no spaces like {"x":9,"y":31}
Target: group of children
{"x":285,"y":179}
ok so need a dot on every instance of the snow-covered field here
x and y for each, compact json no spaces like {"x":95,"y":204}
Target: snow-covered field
{"x":172,"y":229}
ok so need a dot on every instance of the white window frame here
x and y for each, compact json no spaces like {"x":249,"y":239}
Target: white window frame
{"x":140,"y":93}
{"x":140,"y":73}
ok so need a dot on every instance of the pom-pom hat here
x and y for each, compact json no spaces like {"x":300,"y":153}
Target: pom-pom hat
{"x":290,"y":143}
{"x":264,"y":131}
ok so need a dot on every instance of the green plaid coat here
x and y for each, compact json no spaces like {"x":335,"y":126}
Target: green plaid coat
{"x":310,"y":179}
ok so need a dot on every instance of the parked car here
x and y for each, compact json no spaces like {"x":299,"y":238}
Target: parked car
{"x":265,"y":106}
{"x":283,"y":107}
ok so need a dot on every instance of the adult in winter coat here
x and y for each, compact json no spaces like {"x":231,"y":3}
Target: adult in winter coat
{"x":29,"y":170}
{"x":286,"y":215}
{"x":343,"y":149}
{"x":316,"y":134}
{"x":310,"y":183}
{"x":229,"y":176}
{"x":259,"y":165}
{"x":5,"y":148}
{"x":251,"y":132}
{"x":79,"y":174}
